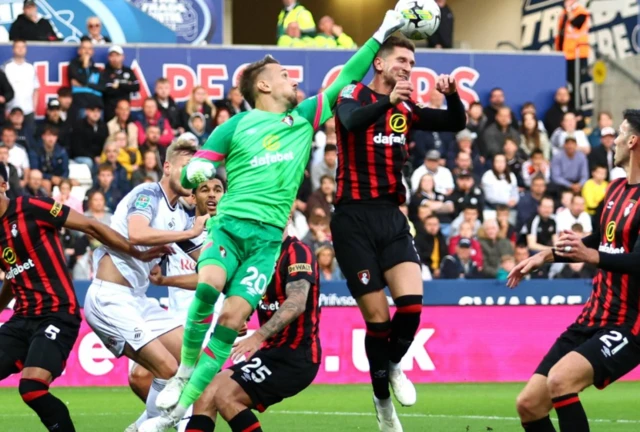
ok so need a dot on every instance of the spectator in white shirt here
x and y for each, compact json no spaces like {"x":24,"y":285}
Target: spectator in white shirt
{"x":441,"y":175}
{"x":575,"y":214}
{"x":569,"y":128}
{"x":499,"y":184}
{"x":18,"y":156}
{"x":22,"y":77}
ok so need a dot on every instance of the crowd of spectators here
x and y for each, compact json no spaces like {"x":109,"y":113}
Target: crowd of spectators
{"x":478,"y":201}
{"x":484,"y":199}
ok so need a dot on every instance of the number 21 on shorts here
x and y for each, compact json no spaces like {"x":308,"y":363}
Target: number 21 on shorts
{"x":613,"y":339}
{"x":255,"y":281}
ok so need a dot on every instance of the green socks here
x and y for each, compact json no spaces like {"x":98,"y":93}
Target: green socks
{"x":198,"y":323}
{"x":213,"y":358}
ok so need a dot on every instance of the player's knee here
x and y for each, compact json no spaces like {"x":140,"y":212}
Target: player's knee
{"x":558,"y":384}
{"x":165,"y":368}
{"x":212,"y":276}
{"x":140,"y":380}
{"x":225,"y":403}
{"x":530,"y":406}
{"x":31,"y":389}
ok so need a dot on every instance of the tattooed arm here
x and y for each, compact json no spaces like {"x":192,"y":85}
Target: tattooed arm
{"x":292,"y":308}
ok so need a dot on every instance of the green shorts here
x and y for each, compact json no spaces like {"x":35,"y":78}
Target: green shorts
{"x":247,"y":250}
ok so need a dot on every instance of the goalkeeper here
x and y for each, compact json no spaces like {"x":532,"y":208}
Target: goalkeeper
{"x":266,"y":151}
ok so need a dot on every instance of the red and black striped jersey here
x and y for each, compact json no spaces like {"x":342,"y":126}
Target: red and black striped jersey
{"x":296,"y":262}
{"x":373,"y":141}
{"x":615,"y":299}
{"x":33,"y":258}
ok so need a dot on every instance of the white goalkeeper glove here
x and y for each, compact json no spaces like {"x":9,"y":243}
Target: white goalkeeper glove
{"x":392,"y":22}
{"x":199,"y":171}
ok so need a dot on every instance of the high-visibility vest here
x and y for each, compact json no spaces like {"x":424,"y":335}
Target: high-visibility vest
{"x":290,"y":42}
{"x":576,"y":40}
{"x":343,"y":41}
{"x":298,"y":14}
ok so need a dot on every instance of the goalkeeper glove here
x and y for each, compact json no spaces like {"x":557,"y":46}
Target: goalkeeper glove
{"x":199,"y":171}
{"x":392,"y":22}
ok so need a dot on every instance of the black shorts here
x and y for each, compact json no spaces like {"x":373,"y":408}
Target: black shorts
{"x":369,"y":239}
{"x":273,"y":375}
{"x":612,"y":352}
{"x":43,"y":342}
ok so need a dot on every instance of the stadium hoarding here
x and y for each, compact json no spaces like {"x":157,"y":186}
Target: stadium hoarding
{"x":453,"y":344}
{"x":524,"y":77}
{"x":485,"y":292}
{"x":128,"y":21}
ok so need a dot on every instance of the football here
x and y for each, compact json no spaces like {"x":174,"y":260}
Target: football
{"x":423,"y":18}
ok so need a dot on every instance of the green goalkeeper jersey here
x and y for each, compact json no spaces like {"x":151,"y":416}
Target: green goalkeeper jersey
{"x":266,"y":153}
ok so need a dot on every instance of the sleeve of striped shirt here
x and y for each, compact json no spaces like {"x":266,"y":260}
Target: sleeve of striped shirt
{"x":47,"y":210}
{"x":301,"y":264}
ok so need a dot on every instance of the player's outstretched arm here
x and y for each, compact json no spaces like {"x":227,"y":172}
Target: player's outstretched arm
{"x":291,"y":309}
{"x":453,"y":119}
{"x":141,"y":234}
{"x":187,"y":281}
{"x":110,"y":238}
{"x":358,"y":65}
{"x":6,"y":294}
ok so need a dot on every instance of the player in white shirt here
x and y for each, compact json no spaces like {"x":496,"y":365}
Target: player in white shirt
{"x":116,"y":306}
{"x":179,"y":275}
{"x":22,"y":77}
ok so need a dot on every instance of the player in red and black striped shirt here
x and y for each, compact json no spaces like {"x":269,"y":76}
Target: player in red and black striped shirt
{"x":283,"y":356}
{"x":603,"y":344}
{"x":371,"y":236}
{"x":39,"y":336}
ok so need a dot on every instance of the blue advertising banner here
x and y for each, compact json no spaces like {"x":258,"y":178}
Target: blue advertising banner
{"x":128,"y":21}
{"x":524,"y":77}
{"x":446,"y":293}
{"x":614,"y":31}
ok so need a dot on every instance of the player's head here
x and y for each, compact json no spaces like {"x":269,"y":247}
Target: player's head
{"x":267,"y":78}
{"x":208,"y":195}
{"x":628,"y":139}
{"x":178,"y":155}
{"x":394,"y":60}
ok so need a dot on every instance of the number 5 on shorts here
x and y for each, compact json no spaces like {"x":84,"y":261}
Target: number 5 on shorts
{"x":52,"y":332}
{"x":255,"y":281}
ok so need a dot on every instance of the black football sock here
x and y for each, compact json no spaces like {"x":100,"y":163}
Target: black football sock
{"x":404,"y":325}
{"x":376,"y":345}
{"x":200,"y":423}
{"x":52,"y":411}
{"x":571,"y":414}
{"x":541,"y":425}
{"x":245,"y":421}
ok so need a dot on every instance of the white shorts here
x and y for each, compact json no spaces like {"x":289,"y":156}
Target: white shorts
{"x":119,"y":317}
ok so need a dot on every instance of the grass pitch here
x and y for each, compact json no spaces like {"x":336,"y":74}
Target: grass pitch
{"x":337,"y":408}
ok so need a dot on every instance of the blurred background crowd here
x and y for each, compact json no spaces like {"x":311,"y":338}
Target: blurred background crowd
{"x":478,"y":201}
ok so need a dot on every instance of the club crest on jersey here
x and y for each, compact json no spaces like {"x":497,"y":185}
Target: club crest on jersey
{"x":14,"y":230}
{"x":288,"y":120}
{"x":629,"y":207}
{"x":142,"y":202}
{"x":364,"y":277}
{"x":223,"y":252}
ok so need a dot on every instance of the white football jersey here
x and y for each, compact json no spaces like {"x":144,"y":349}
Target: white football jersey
{"x":150,"y":201}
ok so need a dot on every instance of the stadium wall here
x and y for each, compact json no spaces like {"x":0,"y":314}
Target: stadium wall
{"x":453,"y":344}
{"x":523,"y":76}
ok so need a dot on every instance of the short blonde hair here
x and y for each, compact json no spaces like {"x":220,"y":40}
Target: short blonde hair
{"x":180,"y":147}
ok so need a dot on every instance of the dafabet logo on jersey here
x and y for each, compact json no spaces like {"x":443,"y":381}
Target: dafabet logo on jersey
{"x":271,"y":144}
{"x":398,"y":126}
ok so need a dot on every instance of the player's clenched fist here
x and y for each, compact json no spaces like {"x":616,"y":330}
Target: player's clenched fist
{"x":401,"y":92}
{"x":446,"y":84}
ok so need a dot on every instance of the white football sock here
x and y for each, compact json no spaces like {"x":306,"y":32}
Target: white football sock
{"x":156,"y":387}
